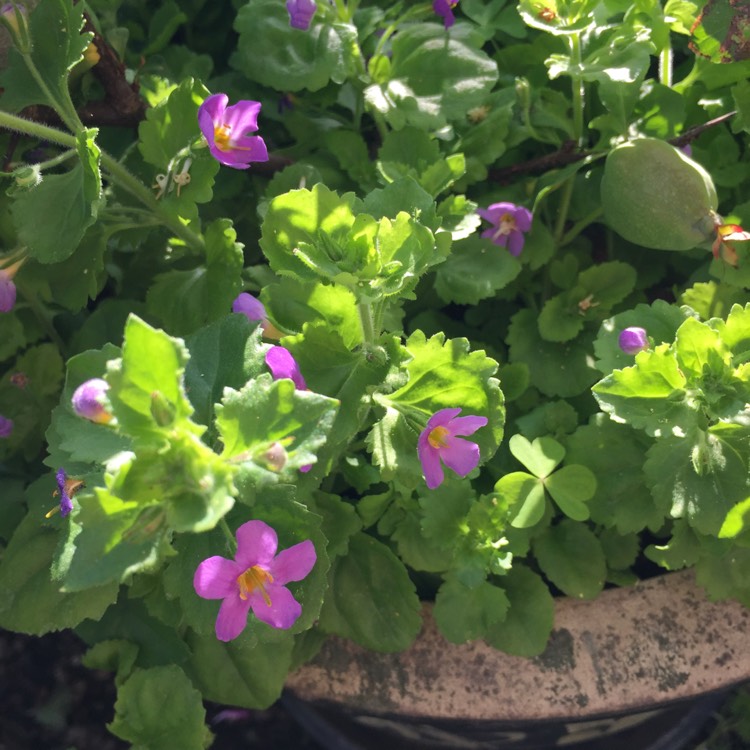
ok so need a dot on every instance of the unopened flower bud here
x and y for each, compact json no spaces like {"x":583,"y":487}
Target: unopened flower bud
{"x":27,"y":176}
{"x":162,"y":410}
{"x":90,"y":401}
{"x":633,"y":340}
{"x":14,"y":17}
{"x":275,"y":457}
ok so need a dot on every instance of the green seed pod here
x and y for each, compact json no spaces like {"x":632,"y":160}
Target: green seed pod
{"x":655,"y":196}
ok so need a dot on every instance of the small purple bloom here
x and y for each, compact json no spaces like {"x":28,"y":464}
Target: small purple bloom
{"x":6,"y":427}
{"x":90,"y":401}
{"x":66,"y":504}
{"x":249,"y":306}
{"x":510,"y":222}
{"x":444,"y":8}
{"x":301,"y":13}
{"x":438,"y":442}
{"x":7,"y":292}
{"x":283,"y":365}
{"x":687,"y":149}
{"x":255,"y":580}
{"x":633,"y":340}
{"x":226,"y":128}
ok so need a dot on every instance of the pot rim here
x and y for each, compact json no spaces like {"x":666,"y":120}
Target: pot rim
{"x":630,"y":649}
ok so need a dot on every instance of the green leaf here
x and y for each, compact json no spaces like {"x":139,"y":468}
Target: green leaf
{"x":317,"y":220}
{"x":681,"y":551}
{"x":210,"y":288}
{"x":474,"y":271}
{"x":571,"y":556}
{"x":702,"y":476}
{"x":571,"y":488}
{"x":152,"y":362}
{"x":291,"y":304}
{"x":272,"y":53}
{"x":649,"y":395}
{"x":69,"y":203}
{"x":465,"y":614}
{"x":540,"y":457}
{"x":724,"y":573}
{"x":159,"y":707}
{"x":225,"y":354}
{"x":242,"y":672}
{"x":371,"y":599}
{"x":30,"y":601}
{"x":264,"y":412}
{"x":736,"y":521}
{"x":435,"y":77}
{"x":556,"y":369}
{"x":57,"y":45}
{"x":164,"y":22}
{"x":528,"y":624}
{"x":615,"y":454}
{"x":525,"y":492}
{"x":659,"y":319}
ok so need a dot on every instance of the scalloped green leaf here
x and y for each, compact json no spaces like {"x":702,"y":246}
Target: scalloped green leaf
{"x":274,"y":54}
{"x":571,"y":556}
{"x":388,"y":617}
{"x":159,"y":707}
{"x":465,"y":614}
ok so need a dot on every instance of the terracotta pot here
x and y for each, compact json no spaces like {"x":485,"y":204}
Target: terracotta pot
{"x":626,"y":658}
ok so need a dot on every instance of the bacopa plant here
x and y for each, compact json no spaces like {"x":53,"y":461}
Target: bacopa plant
{"x":385,"y":302}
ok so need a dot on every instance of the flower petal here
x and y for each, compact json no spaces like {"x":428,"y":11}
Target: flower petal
{"x":242,"y":118}
{"x":466,"y":425}
{"x":216,"y":578}
{"x":210,"y":114}
{"x":283,"y":365}
{"x":294,"y":563}
{"x":249,"y":306}
{"x":429,"y":457}
{"x":441,"y":418}
{"x":523,"y":218}
{"x":283,"y":610}
{"x":460,"y":455}
{"x":515,"y":242}
{"x":232,"y":617}
{"x":256,"y":545}
{"x":250,"y":148}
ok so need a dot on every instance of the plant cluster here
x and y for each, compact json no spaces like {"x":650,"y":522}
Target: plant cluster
{"x":312,"y":309}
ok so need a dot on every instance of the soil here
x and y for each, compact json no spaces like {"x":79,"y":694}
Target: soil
{"x":50,"y":701}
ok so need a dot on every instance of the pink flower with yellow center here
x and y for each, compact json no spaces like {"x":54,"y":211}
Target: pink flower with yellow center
{"x":226,"y":128}
{"x":439,"y":442}
{"x":255,"y":580}
{"x":510,"y":222}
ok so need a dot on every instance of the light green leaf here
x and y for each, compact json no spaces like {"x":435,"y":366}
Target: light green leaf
{"x":540,"y":457}
{"x":571,"y":487}
{"x":465,"y":614}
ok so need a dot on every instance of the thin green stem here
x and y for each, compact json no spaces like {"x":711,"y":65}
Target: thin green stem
{"x":665,"y":66}
{"x":562,"y":211}
{"x":44,"y":318}
{"x":64,"y":108}
{"x":365,"y":317}
{"x":116,"y":170}
{"x":580,"y":225}
{"x":231,"y":541}
{"x":579,"y":91}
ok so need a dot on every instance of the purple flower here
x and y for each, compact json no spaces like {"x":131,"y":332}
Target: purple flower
{"x":63,"y":489}
{"x":510,"y":222}
{"x":444,"y":8}
{"x":255,"y":580}
{"x":633,"y":340}
{"x":301,"y":13}
{"x":6,"y":427}
{"x":438,"y":442}
{"x":283,"y":365}
{"x":7,"y":292}
{"x":90,"y":401}
{"x":249,"y":306}
{"x":226,"y":128}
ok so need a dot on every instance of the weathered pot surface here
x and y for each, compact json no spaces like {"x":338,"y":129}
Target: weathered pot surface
{"x":630,"y":650}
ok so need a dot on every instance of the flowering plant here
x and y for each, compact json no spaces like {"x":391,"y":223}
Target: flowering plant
{"x":281,"y":382}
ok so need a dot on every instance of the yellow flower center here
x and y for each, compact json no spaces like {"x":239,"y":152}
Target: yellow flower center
{"x":438,"y":437}
{"x":222,"y":137}
{"x":506,"y":225}
{"x":252,"y":579}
